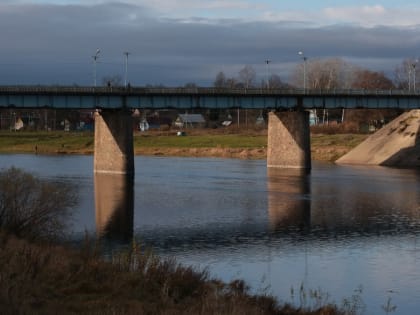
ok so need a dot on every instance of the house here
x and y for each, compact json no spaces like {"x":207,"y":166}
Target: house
{"x":313,"y":118}
{"x":190,"y":120}
{"x":156,"y":119}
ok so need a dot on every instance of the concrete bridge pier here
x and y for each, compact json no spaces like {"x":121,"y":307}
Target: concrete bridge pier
{"x":114,"y":151}
{"x":289,"y":140}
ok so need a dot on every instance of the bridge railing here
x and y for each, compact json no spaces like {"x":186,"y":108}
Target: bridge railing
{"x":197,"y":91}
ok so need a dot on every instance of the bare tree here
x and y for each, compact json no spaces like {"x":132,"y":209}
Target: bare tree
{"x":371,"y":80}
{"x":275,"y":82}
{"x":247,"y":76}
{"x":333,"y":73}
{"x":32,"y":208}
{"x":220,"y":80}
{"x":190,"y":85}
{"x":407,"y":74}
{"x":112,"y":80}
{"x":232,"y":83}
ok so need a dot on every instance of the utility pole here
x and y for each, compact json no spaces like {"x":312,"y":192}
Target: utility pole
{"x":95,"y":59}
{"x":304,"y":69}
{"x":267,"y":62}
{"x":126,"y":53}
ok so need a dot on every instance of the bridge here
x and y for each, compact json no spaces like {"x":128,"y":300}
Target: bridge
{"x":288,"y":125}
{"x":189,"y":98}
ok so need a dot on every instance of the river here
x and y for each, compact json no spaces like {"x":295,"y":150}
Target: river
{"x":342,"y":230}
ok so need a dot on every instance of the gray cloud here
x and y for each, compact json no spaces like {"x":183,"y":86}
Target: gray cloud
{"x":50,"y":44}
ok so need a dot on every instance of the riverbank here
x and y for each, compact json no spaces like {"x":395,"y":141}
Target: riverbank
{"x":50,"y":279}
{"x":242,"y":144}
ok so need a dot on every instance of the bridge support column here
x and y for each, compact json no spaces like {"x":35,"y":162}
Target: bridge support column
{"x":289,"y":140}
{"x":114,"y":152}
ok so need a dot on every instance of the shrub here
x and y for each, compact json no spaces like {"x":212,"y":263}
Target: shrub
{"x":34,"y":208}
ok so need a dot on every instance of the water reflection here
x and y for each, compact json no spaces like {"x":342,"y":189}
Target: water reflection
{"x":114,"y":205}
{"x":366,"y":200}
{"x":289,"y":203}
{"x":347,"y":201}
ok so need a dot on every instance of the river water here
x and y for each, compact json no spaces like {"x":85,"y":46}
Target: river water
{"x":342,"y":230}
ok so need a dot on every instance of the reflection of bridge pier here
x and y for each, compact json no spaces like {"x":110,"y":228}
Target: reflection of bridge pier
{"x":114,"y":205}
{"x":289,"y":206}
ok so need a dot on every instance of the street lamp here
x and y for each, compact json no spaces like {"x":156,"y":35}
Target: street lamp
{"x":126,"y":53}
{"x":95,"y":58}
{"x":409,"y":79}
{"x":267,"y":62}
{"x":14,"y":121}
{"x":304,"y":69}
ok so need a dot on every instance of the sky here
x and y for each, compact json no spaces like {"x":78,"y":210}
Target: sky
{"x":176,"y":42}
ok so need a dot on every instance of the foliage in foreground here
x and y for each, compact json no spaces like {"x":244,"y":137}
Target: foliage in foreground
{"x":46,"y":279}
{"x":33,"y":208}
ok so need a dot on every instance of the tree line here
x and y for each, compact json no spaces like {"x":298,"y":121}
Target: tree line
{"x":326,"y":74}
{"x":318,"y":74}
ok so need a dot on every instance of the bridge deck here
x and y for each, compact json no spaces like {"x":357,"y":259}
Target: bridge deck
{"x":186,"y":98}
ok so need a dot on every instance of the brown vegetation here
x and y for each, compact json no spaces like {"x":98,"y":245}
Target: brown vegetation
{"x":53,"y":280}
{"x":371,"y":80}
{"x":32,"y":208}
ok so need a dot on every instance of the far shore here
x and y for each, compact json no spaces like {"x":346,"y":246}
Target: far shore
{"x":238,"y":144}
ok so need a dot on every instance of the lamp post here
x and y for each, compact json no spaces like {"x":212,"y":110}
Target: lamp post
{"x":95,"y":59}
{"x":14,"y":122}
{"x":126,"y":53}
{"x":304,"y":69}
{"x":409,"y":79}
{"x":267,"y":62}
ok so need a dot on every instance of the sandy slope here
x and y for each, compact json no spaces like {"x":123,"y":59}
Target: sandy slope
{"x":396,"y":144}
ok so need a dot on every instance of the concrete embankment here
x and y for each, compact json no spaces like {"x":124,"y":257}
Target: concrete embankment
{"x":396,"y":144}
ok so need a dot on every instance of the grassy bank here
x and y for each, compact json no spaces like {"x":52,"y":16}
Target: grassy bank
{"x":49,"y":279}
{"x":44,"y":142}
{"x":247,"y":144}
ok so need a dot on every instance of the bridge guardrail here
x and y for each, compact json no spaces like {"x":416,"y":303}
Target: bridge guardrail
{"x":200,"y":91}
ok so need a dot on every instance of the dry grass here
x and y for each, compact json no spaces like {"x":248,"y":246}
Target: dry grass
{"x":32,"y":208}
{"x":330,"y":147}
{"x":41,"y":279}
{"x":335,"y":128}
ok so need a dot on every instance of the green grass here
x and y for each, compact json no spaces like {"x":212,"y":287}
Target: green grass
{"x":46,"y":142}
{"x":82,"y":142}
{"x":201,"y":141}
